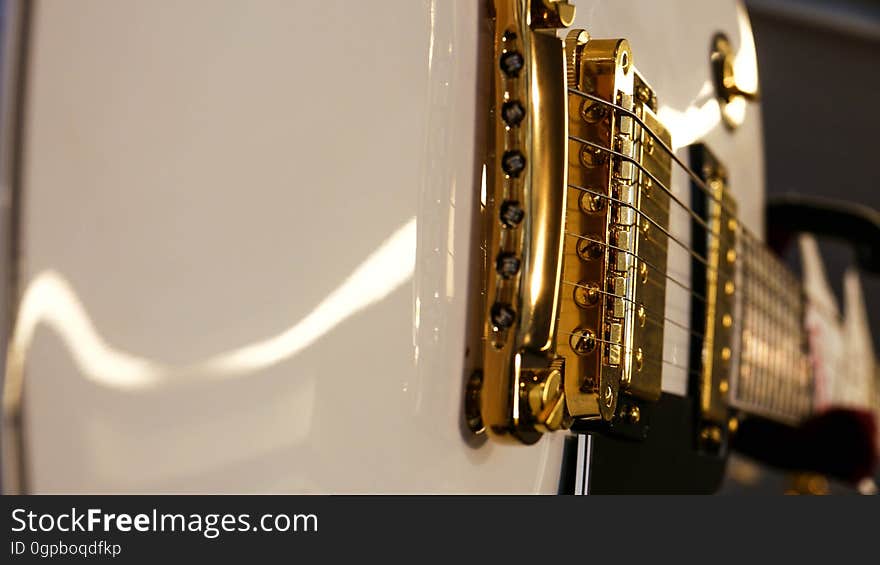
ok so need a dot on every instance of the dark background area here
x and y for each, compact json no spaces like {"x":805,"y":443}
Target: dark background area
{"x":819,"y":68}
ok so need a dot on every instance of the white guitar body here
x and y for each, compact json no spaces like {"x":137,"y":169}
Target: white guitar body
{"x":247,"y":236}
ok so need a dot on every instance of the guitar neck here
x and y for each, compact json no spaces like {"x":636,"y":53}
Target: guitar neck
{"x":774,"y":378}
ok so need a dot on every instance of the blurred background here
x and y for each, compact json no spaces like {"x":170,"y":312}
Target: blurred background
{"x":818,"y":62}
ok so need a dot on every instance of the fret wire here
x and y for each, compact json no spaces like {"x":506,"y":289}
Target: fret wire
{"x":750,"y":297}
{"x":791,"y":323}
{"x":775,"y":336}
{"x":684,"y":246}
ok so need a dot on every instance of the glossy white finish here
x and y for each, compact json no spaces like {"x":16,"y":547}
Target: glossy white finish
{"x":247,"y":232}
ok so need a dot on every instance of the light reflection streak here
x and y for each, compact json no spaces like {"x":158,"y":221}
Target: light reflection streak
{"x":704,"y":114}
{"x":50,"y":300}
{"x":694,"y":122}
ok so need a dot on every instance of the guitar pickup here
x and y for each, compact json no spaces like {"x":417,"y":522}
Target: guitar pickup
{"x":609,"y":104}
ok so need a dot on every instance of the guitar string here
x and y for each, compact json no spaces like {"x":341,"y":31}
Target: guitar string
{"x":630,"y":350}
{"x":761,"y":364}
{"x":709,"y":232}
{"x":652,"y":317}
{"x":650,"y":175}
{"x":694,"y":176}
{"x":700,"y":183}
{"x":683,"y":245}
{"x":768,"y":315}
{"x":765,"y":283}
{"x":761,"y":282}
{"x":649,"y":264}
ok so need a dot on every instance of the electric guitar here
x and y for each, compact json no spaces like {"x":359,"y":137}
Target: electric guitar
{"x":397,"y":246}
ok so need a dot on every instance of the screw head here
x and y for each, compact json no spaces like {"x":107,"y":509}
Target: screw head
{"x":591,"y":203}
{"x":634,"y":414}
{"x":512,"y":63}
{"x":513,"y":163}
{"x":582,"y":341}
{"x":502,"y":315}
{"x":586,"y":294}
{"x":507,"y":264}
{"x":588,"y":250}
{"x":591,"y":156}
{"x":593,"y":112}
{"x":511,"y":213}
{"x":512,"y":113}
{"x":731,"y":255}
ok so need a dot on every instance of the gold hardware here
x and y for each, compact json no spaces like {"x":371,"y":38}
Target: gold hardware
{"x":729,"y":288}
{"x":586,"y":294}
{"x":591,"y":156}
{"x":604,"y":68}
{"x":556,"y":13}
{"x":592,"y":112}
{"x":550,"y":355}
{"x":634,"y":414}
{"x":732,"y":98}
{"x":591,"y":203}
{"x":589,"y":250}
{"x":524,"y":214}
{"x":715,"y":373}
{"x":711,"y":434}
{"x":582,"y":341}
{"x":733,"y":424}
{"x":545,"y":398}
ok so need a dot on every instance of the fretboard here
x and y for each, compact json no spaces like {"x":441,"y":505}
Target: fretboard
{"x":774,"y":378}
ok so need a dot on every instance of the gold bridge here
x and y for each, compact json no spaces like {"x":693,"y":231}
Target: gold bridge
{"x":576,"y":231}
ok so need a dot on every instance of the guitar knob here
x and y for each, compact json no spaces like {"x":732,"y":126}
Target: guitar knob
{"x":546,"y":398}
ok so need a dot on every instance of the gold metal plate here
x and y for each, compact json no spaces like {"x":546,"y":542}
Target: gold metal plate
{"x":526,"y":179}
{"x":574,"y":217}
{"x":615,"y":210}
